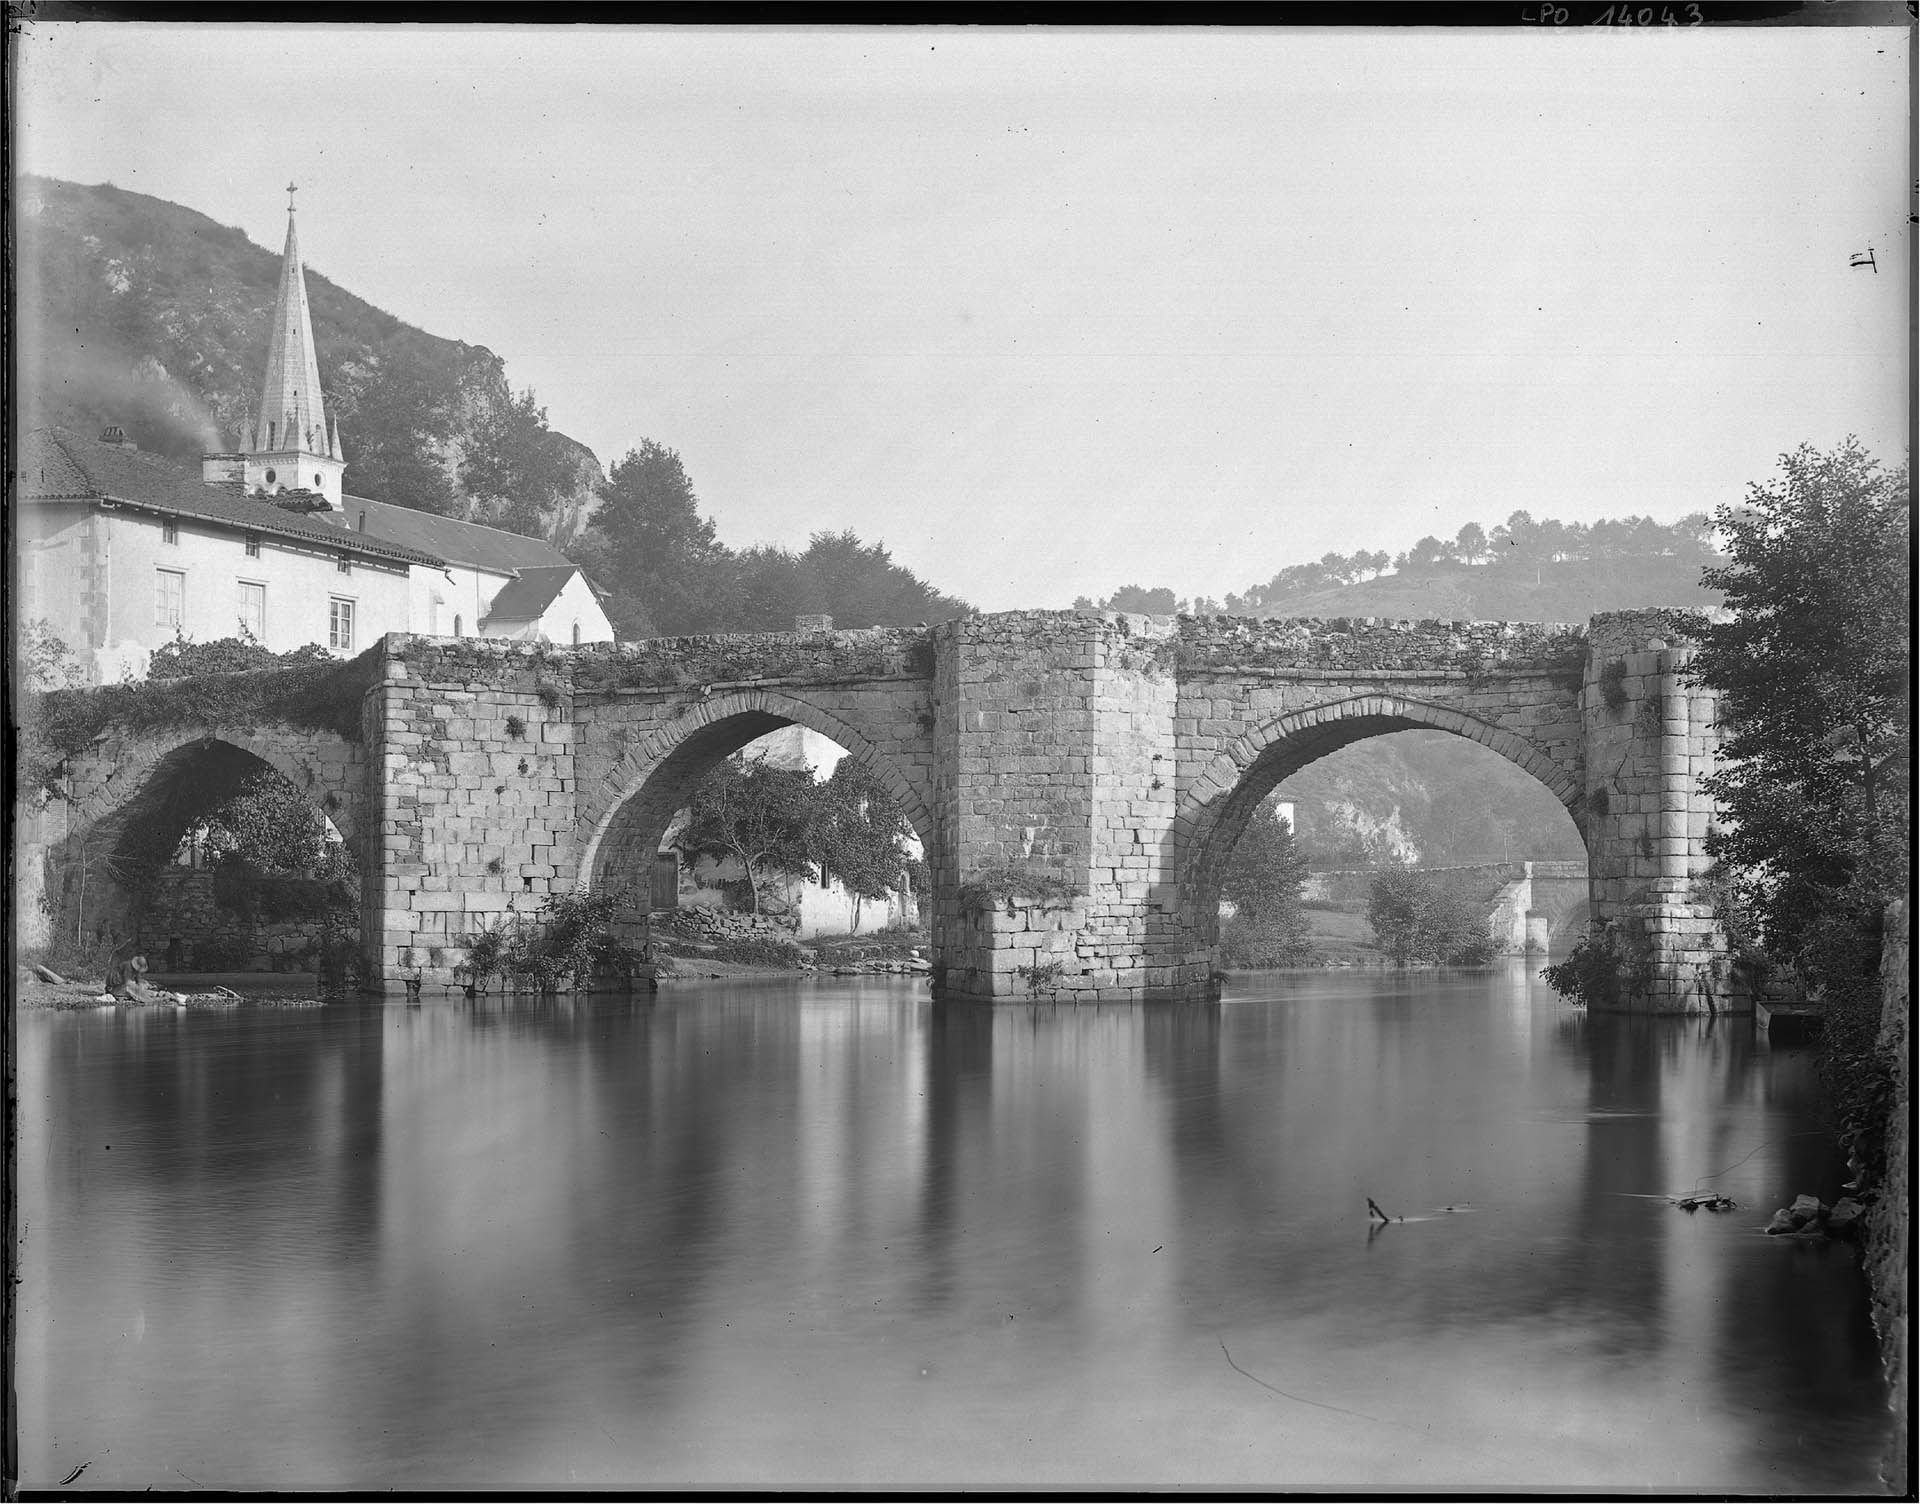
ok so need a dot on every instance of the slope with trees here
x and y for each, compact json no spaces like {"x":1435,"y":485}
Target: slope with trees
{"x":143,"y":313}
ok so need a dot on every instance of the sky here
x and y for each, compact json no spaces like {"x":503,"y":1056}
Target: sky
{"x":1052,"y":311}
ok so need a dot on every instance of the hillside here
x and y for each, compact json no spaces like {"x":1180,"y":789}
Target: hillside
{"x":140,"y":312}
{"x":1568,"y":590}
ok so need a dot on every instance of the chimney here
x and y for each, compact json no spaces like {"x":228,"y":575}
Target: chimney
{"x":113,"y":434}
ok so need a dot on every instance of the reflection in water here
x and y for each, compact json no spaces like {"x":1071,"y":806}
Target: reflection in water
{"x":801,"y":1235}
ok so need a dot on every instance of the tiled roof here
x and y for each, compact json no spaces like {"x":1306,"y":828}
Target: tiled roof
{"x":468,"y":543}
{"x":527,"y":597}
{"x":56,"y":464}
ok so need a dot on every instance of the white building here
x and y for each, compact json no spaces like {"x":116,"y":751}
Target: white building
{"x":122,"y":552}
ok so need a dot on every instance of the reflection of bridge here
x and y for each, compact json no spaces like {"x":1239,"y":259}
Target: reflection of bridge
{"x":1077,"y":779}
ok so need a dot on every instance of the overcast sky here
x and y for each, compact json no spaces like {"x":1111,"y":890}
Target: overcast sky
{"x":1049,"y":312}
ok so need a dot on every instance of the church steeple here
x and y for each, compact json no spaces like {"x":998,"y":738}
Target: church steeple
{"x":291,"y":446}
{"x":292,"y":412}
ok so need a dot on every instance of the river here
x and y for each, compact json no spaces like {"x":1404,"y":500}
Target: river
{"x":827,"y":1234}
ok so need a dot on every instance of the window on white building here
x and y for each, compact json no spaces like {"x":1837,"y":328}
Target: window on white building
{"x":456,"y":626}
{"x":253,"y":609}
{"x":576,"y":634}
{"x":169,"y":597}
{"x":340,"y":624}
{"x":253,"y":545}
{"x":345,"y":564}
{"x":169,"y":531}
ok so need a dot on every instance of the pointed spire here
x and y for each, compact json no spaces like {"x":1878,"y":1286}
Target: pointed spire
{"x":291,"y":408}
{"x":334,"y":448}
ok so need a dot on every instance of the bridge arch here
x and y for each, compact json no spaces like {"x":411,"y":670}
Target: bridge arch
{"x":133,"y":799}
{"x":1224,"y":795}
{"x":658,"y":775}
{"x":106,"y":778}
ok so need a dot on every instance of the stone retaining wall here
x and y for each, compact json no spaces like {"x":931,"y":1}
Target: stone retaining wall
{"x":184,"y":908}
{"x":1890,"y":1218}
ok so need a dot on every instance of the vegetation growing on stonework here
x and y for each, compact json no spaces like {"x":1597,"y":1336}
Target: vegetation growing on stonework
{"x":1419,"y":917}
{"x":1605,"y":970}
{"x":719,"y":660}
{"x":568,"y":943}
{"x":998,"y":885}
{"x":306,"y":689}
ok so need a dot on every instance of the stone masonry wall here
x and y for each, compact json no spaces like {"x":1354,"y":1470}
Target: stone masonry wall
{"x":1650,"y":738}
{"x":1097,"y":766}
{"x":183,"y":907}
{"x":1065,"y":773}
{"x":1890,"y":1218}
{"x":475,"y":804}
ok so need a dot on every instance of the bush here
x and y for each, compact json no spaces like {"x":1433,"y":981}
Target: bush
{"x":1250,"y":942}
{"x":1419,"y":918}
{"x":1603,"y":970}
{"x":566,"y":943}
{"x":758,"y":950}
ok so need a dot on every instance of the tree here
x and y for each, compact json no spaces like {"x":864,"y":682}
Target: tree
{"x":1425,"y":554}
{"x":855,"y":583}
{"x":515,"y":467}
{"x":46,"y":661}
{"x":1416,"y":917}
{"x":270,"y":826}
{"x":1471,"y":543}
{"x":397,"y":416}
{"x":649,"y":545}
{"x":757,"y":813}
{"x":1158,"y":601}
{"x":1263,"y":880}
{"x":858,"y":833}
{"x":1813,"y":669}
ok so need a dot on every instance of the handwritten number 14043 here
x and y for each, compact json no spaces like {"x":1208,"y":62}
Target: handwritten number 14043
{"x":1647,"y":15}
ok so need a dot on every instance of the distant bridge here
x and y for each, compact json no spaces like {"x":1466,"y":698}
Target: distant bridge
{"x":1077,"y":779}
{"x":1532,"y":905}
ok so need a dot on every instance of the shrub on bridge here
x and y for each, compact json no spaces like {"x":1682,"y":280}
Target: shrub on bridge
{"x":307,"y":694}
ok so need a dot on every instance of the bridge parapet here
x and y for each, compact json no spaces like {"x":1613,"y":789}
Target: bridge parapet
{"x":1350,"y":646}
{"x":750,"y":660}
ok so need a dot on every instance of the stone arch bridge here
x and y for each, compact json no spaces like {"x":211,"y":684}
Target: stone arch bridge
{"x":1078,"y":779}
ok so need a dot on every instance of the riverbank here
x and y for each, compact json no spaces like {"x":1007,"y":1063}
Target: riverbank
{"x":32,"y":992}
{"x":1890,"y":1219}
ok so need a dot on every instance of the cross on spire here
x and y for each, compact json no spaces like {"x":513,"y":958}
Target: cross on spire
{"x":291,"y":190}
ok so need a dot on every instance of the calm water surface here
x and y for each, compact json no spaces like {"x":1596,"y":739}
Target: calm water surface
{"x":811,"y":1234}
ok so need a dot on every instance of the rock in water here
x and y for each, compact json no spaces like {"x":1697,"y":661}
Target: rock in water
{"x":1844,"y":1220}
{"x":1782,"y":1222}
{"x":1806,"y":1209}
